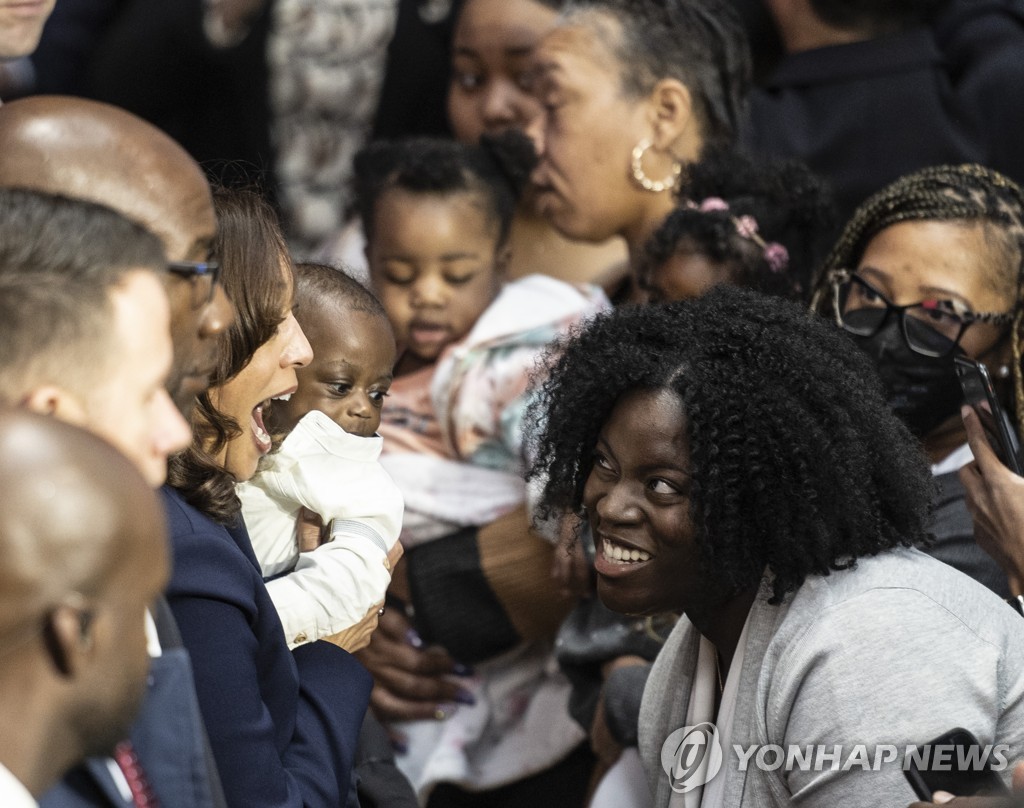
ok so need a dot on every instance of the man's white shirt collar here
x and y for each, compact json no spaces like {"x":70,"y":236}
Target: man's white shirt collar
{"x":12,"y":793}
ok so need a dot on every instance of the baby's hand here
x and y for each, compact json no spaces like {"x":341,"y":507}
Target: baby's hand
{"x":357,"y":637}
{"x":394,"y":556}
{"x":312,"y":532}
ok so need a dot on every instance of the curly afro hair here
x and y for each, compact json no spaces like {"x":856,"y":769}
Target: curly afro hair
{"x":799,"y":465}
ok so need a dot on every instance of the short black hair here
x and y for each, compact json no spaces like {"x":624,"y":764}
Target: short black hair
{"x":54,"y":329}
{"x":799,"y":466}
{"x":702,"y":43}
{"x":59,"y":260}
{"x":791,"y":205}
{"x":316,"y":284}
{"x":497,"y":169}
{"x":43,"y":233}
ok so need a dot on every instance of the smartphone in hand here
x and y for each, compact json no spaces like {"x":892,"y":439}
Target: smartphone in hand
{"x":980,"y":396}
{"x":965,"y":769}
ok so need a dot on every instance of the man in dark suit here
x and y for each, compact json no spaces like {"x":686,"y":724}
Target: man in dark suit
{"x":21,"y":26}
{"x":95,"y":152}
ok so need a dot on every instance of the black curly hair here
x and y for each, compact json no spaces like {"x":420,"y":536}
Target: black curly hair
{"x":791,"y":205}
{"x":497,"y":169}
{"x":967,"y":193}
{"x":701,"y":43}
{"x":799,"y":466}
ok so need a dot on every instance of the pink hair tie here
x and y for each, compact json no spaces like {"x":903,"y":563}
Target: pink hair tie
{"x":746,"y":226}
{"x":776,"y":256}
{"x":712,"y":203}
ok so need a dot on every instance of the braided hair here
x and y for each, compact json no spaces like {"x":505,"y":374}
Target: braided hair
{"x":966,"y":193}
{"x":799,"y":465}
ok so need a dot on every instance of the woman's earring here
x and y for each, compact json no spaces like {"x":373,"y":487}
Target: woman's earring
{"x":1003,"y":372}
{"x":645,"y":182}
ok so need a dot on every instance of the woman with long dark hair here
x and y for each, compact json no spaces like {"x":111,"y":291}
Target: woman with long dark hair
{"x":282,"y":725}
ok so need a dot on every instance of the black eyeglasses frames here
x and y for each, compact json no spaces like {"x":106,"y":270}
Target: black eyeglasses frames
{"x":205,"y":275}
{"x":930,"y":327}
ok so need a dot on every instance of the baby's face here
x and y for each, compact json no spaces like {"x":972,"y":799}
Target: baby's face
{"x":436,"y":266}
{"x":351,"y":371}
{"x":686,"y":275}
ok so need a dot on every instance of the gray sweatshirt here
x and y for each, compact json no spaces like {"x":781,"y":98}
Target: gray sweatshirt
{"x":894,"y":652}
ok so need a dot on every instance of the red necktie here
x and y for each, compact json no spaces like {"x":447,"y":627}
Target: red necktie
{"x":142,"y":791}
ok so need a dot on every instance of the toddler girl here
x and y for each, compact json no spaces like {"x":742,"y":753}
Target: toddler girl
{"x":765,"y":225}
{"x":437,"y":216}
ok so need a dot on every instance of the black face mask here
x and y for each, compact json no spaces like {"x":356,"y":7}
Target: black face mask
{"x":922,"y":390}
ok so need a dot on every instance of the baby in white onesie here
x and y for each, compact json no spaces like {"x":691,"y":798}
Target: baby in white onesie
{"x":328,"y":464}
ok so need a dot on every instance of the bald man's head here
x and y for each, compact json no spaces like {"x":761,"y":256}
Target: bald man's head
{"x":87,"y":150}
{"x":64,"y":527}
{"x":83,"y":552}
{"x":83,"y":149}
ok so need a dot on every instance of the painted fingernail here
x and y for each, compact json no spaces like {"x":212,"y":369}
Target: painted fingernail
{"x":465,"y":697}
{"x":400,"y":745}
{"x":412,"y":636}
{"x":462,"y":670}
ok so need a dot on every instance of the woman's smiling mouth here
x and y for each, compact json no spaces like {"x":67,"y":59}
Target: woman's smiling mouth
{"x":621,"y":554}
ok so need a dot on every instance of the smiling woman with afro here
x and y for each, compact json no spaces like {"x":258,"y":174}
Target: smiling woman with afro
{"x":737,"y":464}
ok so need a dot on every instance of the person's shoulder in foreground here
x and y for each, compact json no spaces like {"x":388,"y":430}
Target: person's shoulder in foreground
{"x":83,"y":552}
{"x":277,"y":720}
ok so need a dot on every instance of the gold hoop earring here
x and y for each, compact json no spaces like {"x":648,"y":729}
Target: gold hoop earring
{"x":645,"y":182}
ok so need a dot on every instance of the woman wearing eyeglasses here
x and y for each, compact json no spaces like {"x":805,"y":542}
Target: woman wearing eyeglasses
{"x":928,"y":268}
